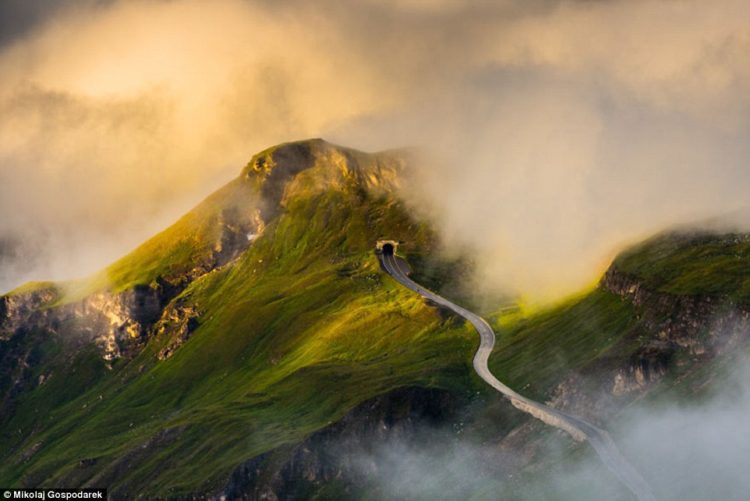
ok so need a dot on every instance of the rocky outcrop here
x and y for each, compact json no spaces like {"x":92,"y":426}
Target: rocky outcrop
{"x":15,"y":309}
{"x":115,"y":322}
{"x":176,"y":325}
{"x":332,"y":454}
{"x":275,"y":168}
{"x":698,"y":328}
{"x":238,"y":230}
{"x":120,"y":323}
{"x":280,"y":172}
{"x":671,"y":333}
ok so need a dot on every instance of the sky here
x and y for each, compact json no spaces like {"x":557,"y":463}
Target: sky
{"x":554,"y":133}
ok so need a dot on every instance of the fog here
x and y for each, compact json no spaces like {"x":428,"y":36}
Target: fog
{"x":553,"y":132}
{"x":686,"y":448}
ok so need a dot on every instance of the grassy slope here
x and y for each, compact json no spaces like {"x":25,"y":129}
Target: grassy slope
{"x":294,"y":335}
{"x":174,"y":252}
{"x":692,"y":264}
{"x":602,"y":325}
{"x":298,"y":331}
{"x":184,"y":245}
{"x":535,"y":353}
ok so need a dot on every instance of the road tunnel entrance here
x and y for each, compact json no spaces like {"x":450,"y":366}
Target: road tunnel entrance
{"x":386,"y":247}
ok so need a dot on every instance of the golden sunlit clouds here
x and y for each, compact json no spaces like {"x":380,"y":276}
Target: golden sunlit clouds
{"x":683,"y":55}
{"x":556,"y":131}
{"x":142,"y":107}
{"x":198,"y":53}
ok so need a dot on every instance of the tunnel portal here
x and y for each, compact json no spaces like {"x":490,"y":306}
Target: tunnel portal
{"x":386,"y":247}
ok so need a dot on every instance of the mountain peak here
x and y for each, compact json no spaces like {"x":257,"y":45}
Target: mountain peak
{"x":288,"y":157}
{"x":313,"y":165}
{"x":261,"y":324}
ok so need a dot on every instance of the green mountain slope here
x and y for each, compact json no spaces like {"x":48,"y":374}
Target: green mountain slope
{"x":664,"y":312}
{"x":302,"y":310}
{"x":699,"y":263}
{"x":262,"y":317}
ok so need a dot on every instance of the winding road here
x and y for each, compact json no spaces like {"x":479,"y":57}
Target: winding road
{"x":579,"y":429}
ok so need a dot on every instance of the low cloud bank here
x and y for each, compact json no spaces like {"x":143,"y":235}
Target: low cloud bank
{"x":692,"y":450}
{"x":556,"y":131}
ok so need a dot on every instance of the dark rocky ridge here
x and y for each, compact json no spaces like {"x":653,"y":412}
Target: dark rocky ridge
{"x":675,"y":334}
{"x":277,"y":168}
{"x":699,"y":327}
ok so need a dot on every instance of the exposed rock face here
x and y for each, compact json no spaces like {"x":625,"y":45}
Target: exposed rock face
{"x":119,"y":324}
{"x":16,"y":309}
{"x":177,"y":323}
{"x":235,"y":228}
{"x":697,"y":327}
{"x":115,"y":322}
{"x":282,"y":177}
{"x":332,"y":454}
{"x":277,"y":168}
{"x":672,"y":331}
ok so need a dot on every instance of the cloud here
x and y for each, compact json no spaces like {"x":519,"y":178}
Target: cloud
{"x":696,"y":451}
{"x":556,"y":131}
{"x":561,"y":133}
{"x":117,"y":118}
{"x":688,"y":447}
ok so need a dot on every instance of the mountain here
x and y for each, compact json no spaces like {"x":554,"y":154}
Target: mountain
{"x":255,"y":349}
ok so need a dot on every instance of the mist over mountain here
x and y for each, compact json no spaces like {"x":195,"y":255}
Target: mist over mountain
{"x":257,"y":348}
{"x":546,"y":153}
{"x":377,"y":249}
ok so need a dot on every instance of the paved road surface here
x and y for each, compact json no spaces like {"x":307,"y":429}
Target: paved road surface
{"x":579,"y":429}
